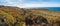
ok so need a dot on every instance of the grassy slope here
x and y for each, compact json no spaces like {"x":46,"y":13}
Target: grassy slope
{"x":13,"y":11}
{"x":49,"y":15}
{"x":17,"y":12}
{"x":7,"y":17}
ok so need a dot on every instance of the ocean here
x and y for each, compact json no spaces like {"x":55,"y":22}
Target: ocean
{"x":56,"y":9}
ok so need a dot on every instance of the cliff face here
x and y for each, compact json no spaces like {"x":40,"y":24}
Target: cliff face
{"x":16,"y":16}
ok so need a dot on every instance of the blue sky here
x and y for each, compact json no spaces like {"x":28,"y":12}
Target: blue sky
{"x":31,"y":3}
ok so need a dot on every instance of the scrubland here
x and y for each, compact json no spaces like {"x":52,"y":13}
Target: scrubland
{"x":15,"y":16}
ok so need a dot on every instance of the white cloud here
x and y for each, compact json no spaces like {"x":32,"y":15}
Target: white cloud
{"x":24,"y":5}
{"x":9,"y":1}
{"x":41,"y":5}
{"x":12,"y":2}
{"x":21,"y":0}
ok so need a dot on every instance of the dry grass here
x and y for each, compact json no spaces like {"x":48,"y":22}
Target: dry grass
{"x":12,"y":12}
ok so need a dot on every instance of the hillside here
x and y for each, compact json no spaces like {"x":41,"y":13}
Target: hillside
{"x":17,"y":15}
{"x":45,"y":13}
{"x":15,"y":12}
{"x":49,"y":15}
{"x":6,"y":18}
